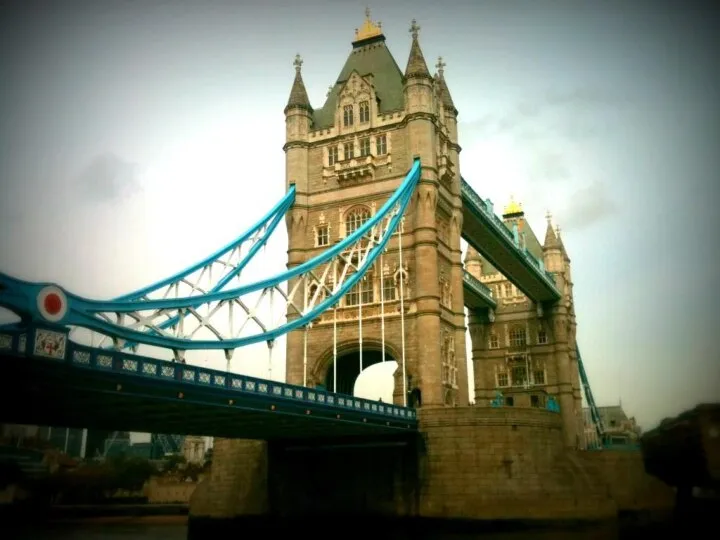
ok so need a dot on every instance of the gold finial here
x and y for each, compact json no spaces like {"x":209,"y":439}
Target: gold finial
{"x":298,"y":63}
{"x":330,"y":89}
{"x":548,"y":216}
{"x":513,"y":207}
{"x":440,"y":66}
{"x":368,"y":29}
{"x":414,"y":29}
{"x":557,"y":230}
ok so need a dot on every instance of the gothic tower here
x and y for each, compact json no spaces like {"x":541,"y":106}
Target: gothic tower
{"x":345,"y":160}
{"x":523,"y":352}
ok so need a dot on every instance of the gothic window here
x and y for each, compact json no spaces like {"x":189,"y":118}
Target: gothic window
{"x":362,"y":291}
{"x":355,"y":219}
{"x":508,"y":290}
{"x":333,"y":155}
{"x":348,"y":115}
{"x":322,"y":236}
{"x":349,"y":150}
{"x":502,"y":379}
{"x":311,"y":294}
{"x":494,"y":341}
{"x":364,"y":111}
{"x":542,"y":337}
{"x":389,"y":289}
{"x":539,"y":376}
{"x":519,"y":375}
{"x":381,"y":145}
{"x":365,"y":146}
{"x":518,"y":336}
{"x":449,"y":361}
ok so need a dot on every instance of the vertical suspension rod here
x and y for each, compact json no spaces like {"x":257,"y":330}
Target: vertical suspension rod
{"x":402,"y":312}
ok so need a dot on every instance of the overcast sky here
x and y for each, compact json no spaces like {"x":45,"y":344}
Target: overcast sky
{"x":138,"y":136}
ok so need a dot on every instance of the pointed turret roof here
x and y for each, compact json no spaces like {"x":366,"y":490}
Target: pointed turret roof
{"x":471,"y":255}
{"x":444,"y":91}
{"x":551,"y":240}
{"x":416,"y":66}
{"x":369,"y":56}
{"x":561,"y":244}
{"x":298,"y":94}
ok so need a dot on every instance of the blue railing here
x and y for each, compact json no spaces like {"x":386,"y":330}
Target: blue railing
{"x":82,"y":356}
{"x":486,"y":208}
{"x":479,"y":287}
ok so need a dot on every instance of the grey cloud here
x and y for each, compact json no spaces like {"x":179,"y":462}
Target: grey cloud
{"x":569,"y":104}
{"x":588,"y":206}
{"x":548,"y":167}
{"x":108,"y":178}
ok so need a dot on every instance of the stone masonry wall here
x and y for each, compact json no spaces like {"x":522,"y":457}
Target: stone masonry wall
{"x":503,"y":463}
{"x":237,"y":484}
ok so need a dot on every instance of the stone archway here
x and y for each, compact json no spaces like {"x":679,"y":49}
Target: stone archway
{"x":348,"y":364}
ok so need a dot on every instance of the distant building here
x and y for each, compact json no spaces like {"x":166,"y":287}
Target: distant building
{"x":618,"y":427}
{"x":194,"y":449}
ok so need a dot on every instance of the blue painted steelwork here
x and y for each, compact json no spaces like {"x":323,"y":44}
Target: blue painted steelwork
{"x":498,"y":400}
{"x":22,"y":297}
{"x":480,"y":289}
{"x":552,"y":404}
{"x":26,"y":344}
{"x":594,"y":411}
{"x":485,"y":209}
{"x":273,"y":217}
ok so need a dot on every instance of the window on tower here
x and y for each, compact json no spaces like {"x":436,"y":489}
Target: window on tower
{"x":518,"y":337}
{"x":348,"y":115}
{"x":542,"y":337}
{"x":333,"y":155}
{"x":494,"y":341}
{"x":355,"y":219}
{"x":502,"y":379}
{"x":381,"y":145}
{"x":365,"y":146}
{"x":539,"y":376}
{"x":389,"y":289}
{"x":508,"y":290}
{"x":323,"y":235}
{"x":364,"y":112}
{"x":361,"y":292}
{"x":349,"y":150}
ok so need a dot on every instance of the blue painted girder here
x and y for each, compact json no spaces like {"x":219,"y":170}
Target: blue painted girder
{"x":79,"y":386}
{"x":486,"y":232}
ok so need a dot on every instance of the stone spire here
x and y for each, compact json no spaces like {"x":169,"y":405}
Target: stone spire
{"x":471,"y":255}
{"x":551,"y":240}
{"x":444,"y":91}
{"x":560,"y":244}
{"x":298,"y":94}
{"x":416,"y":66}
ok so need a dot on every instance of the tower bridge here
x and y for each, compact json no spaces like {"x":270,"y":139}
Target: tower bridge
{"x":375,"y":207}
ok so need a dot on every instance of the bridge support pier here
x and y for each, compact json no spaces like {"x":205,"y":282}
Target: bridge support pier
{"x":238,"y":482}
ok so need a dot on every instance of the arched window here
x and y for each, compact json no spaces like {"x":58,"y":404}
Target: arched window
{"x":355,"y":218}
{"x":348,"y":115}
{"x":518,"y":337}
{"x":364,"y":111}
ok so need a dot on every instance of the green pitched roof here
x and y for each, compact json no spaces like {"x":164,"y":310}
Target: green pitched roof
{"x":368,"y":57}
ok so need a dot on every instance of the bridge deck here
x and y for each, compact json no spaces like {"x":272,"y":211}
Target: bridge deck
{"x":93,"y":388}
{"x":476,"y":294}
{"x":484,"y":231}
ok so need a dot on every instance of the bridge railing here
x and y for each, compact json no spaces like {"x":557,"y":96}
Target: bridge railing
{"x":82,"y":356}
{"x":477,"y":285}
{"x":486,"y":208}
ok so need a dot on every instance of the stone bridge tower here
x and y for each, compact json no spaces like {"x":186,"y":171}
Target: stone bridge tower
{"x":345,"y":160}
{"x":525,"y":353}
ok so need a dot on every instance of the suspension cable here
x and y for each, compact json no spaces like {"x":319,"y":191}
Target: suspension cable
{"x":305,"y":334}
{"x":270,"y":344}
{"x":360,"y":298}
{"x":402,"y":313}
{"x":382,"y":307}
{"x":335,"y":329}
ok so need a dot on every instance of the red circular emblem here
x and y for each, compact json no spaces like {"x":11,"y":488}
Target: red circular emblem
{"x":53,"y":303}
